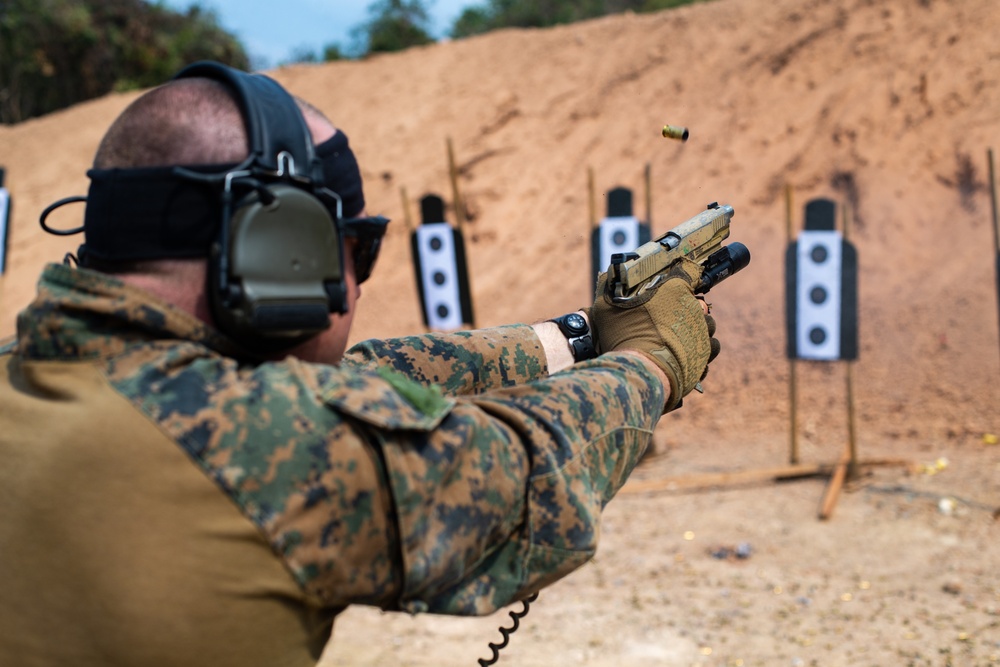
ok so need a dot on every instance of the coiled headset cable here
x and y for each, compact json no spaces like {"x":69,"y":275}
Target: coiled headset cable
{"x":505,"y":633}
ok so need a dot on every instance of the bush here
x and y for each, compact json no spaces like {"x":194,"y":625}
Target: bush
{"x":55,"y":53}
{"x":495,"y":14}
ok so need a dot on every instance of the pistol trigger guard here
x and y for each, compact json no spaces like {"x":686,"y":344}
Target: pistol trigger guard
{"x":617,"y":294}
{"x":656,"y":280}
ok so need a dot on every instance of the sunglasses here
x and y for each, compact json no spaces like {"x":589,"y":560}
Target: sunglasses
{"x":367,"y":234}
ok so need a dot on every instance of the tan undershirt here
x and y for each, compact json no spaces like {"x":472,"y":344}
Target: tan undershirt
{"x":116,"y":549}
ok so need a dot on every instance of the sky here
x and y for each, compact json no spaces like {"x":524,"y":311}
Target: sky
{"x":271,"y":30}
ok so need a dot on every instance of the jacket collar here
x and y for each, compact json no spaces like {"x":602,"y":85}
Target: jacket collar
{"x":78,"y":313}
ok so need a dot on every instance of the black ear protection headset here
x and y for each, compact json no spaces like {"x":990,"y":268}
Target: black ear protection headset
{"x":276,"y":260}
{"x":276,"y":268}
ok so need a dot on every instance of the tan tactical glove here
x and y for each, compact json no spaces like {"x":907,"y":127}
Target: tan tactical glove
{"x":665,"y":322}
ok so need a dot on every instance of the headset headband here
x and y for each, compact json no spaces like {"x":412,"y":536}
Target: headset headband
{"x":274,"y":125}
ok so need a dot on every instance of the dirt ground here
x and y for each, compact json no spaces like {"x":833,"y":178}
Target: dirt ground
{"x":902,"y":573}
{"x":889,"y":109}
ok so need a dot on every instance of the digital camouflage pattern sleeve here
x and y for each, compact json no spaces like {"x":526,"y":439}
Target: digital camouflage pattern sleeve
{"x":525,"y":466}
{"x":579,"y":451}
{"x":505,"y":495}
{"x":464,"y":362}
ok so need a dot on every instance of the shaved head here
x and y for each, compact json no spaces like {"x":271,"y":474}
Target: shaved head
{"x":188,"y":121}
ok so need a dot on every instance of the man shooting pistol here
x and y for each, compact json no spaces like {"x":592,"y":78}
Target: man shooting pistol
{"x":641,"y":288}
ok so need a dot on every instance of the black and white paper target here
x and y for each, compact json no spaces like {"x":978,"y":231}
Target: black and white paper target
{"x":822,"y":289}
{"x":439,"y":275}
{"x":617,"y":235}
{"x":818,"y":297}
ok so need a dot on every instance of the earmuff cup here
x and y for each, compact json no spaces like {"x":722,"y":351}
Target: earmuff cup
{"x":276,"y":268}
{"x":285,"y":269}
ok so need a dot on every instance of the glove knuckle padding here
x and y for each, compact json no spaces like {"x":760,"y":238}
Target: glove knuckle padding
{"x":666,"y":322}
{"x":684,"y":331}
{"x":686,"y":270}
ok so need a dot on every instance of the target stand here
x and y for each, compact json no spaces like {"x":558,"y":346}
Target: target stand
{"x":821,"y":290}
{"x":822,"y":320}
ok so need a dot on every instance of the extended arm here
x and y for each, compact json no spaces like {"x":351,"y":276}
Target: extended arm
{"x":504,"y":495}
{"x":469,"y":362}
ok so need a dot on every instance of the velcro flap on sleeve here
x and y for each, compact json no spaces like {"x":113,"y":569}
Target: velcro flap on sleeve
{"x":390,"y":400}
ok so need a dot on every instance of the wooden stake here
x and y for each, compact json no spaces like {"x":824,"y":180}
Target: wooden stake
{"x":852,"y":466}
{"x":852,"y":438}
{"x":996,"y":222}
{"x":793,"y":455}
{"x":459,"y":213}
{"x":406,"y":210}
{"x":592,"y":198}
{"x":453,"y":174}
{"x":749,"y":477}
{"x":649,"y":196}
{"x":834,"y":487}
{"x":726,"y":479}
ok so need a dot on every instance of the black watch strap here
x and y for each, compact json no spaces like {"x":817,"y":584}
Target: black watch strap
{"x":574,"y":327}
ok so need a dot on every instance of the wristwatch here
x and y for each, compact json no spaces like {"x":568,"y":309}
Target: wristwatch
{"x":577,"y":332}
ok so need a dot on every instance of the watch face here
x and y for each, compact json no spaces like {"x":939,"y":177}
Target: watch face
{"x":576,"y":323}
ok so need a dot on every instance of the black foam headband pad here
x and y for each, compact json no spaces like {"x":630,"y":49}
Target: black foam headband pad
{"x":150,"y":213}
{"x":273,"y":121}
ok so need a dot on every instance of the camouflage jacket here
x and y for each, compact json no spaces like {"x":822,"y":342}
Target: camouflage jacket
{"x":493,"y":473}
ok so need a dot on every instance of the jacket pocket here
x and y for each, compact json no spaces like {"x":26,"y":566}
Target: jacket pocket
{"x":389,"y":400}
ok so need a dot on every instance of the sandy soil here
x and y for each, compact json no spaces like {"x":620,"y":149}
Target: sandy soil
{"x":887,"y":107}
{"x":888,"y":580}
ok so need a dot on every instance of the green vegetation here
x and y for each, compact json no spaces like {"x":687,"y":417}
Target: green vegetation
{"x":496,"y":14}
{"x":55,"y":53}
{"x":393,"y":25}
{"x":396,"y":25}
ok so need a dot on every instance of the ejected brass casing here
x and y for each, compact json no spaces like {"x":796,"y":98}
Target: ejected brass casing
{"x":675,"y":132}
